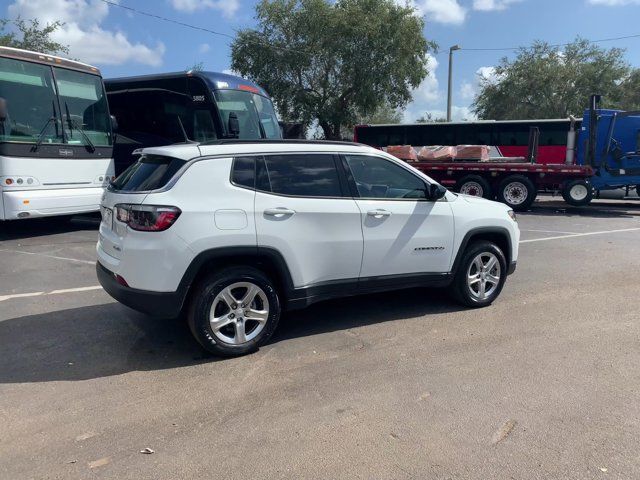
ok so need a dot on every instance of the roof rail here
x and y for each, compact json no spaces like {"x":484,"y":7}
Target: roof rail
{"x":235,"y":141}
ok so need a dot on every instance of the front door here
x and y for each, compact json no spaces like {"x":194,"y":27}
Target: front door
{"x":403,"y":231}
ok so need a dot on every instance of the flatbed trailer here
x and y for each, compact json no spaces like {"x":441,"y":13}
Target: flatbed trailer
{"x":516,"y":184}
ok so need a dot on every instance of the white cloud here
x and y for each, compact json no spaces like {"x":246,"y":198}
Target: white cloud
{"x":491,"y":5}
{"x":467,"y":90}
{"x":87,"y":40}
{"x":614,"y":3}
{"x":487,"y":73}
{"x":227,"y":7}
{"x":204,"y":48}
{"x":440,"y":11}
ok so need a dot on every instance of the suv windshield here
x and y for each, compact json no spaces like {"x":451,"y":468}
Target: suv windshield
{"x":28,"y":91}
{"x":256,"y":116}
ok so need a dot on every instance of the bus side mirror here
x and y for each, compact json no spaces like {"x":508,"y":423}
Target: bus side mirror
{"x":234,"y":125}
{"x":3,"y":109}
{"x":114,"y":123}
{"x":436,"y":191}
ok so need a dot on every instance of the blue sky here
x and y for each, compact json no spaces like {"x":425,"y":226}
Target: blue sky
{"x":121,"y":42}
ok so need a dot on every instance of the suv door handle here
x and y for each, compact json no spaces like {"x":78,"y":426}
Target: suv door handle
{"x":379,"y":213}
{"x":279,"y":212}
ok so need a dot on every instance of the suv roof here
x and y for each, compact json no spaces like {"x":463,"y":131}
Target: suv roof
{"x":187,"y":151}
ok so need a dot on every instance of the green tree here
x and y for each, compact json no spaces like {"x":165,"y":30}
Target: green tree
{"x":631,"y":91}
{"x":385,"y":113}
{"x":429,"y":118}
{"x":334,"y":62}
{"x":30,"y":35}
{"x":545,"y":81}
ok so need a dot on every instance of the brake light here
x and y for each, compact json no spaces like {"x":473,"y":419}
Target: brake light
{"x":147,"y":218}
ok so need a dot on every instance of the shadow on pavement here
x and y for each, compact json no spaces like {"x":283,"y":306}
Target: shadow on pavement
{"x":104,"y":340}
{"x":38,"y":227}
{"x":618,"y":209}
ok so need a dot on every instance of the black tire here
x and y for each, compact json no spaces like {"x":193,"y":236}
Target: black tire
{"x":577,"y":193}
{"x":468,"y":294}
{"x":517,"y":191}
{"x":638,"y":190}
{"x":475,"y":185}
{"x":201,"y":303}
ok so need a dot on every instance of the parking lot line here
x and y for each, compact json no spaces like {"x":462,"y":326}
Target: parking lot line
{"x":48,"y":256}
{"x":548,"y":231}
{"x":544,"y":239}
{"x":53,"y":292}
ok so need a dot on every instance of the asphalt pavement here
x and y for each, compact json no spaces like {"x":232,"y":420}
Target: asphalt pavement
{"x":543,"y":384}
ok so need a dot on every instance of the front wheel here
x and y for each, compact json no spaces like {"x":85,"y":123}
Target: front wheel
{"x":577,"y":193}
{"x":517,"y":191}
{"x":481,"y":275}
{"x":234,"y":311}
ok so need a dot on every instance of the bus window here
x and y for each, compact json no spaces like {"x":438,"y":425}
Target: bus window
{"x":203,"y":117}
{"x":255,"y":115}
{"x":84,"y":106}
{"x":31,"y":103}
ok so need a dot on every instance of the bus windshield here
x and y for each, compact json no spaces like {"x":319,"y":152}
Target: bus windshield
{"x":34,"y":113}
{"x":255,"y":113}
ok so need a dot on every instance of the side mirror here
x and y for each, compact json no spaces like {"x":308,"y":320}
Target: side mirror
{"x":114,"y":123}
{"x":436,"y":191}
{"x":4,"y":113}
{"x":234,"y":125}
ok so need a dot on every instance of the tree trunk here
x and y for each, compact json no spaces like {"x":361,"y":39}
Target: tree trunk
{"x":330,"y":131}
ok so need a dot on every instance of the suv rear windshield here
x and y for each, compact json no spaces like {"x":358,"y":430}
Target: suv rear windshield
{"x":150,"y":172}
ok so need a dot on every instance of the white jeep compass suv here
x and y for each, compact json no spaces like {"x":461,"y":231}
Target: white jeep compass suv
{"x":235,"y":232}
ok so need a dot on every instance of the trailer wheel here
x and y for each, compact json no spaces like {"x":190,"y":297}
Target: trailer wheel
{"x":476,"y":186}
{"x":517,"y":191}
{"x":577,"y":193}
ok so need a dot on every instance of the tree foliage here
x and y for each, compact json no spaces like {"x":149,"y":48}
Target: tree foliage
{"x":334,"y":62}
{"x":30,"y":35}
{"x":545,"y":81}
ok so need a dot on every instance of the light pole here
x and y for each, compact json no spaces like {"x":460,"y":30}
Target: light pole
{"x":451,"y":50}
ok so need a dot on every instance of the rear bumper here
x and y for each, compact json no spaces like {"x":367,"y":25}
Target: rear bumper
{"x":43,"y":203}
{"x":157,"y":304}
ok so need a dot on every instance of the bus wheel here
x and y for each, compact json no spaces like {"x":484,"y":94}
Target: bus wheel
{"x":475,"y":186}
{"x":577,"y":193}
{"x":517,"y":191}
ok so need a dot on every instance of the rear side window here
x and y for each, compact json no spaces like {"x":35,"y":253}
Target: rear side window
{"x":244,"y":172}
{"x":302,"y":175}
{"x":150,"y":172}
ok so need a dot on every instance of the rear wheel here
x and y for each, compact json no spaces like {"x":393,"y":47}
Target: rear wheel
{"x":517,"y":191}
{"x":577,"y":193}
{"x":476,"y":186}
{"x":234,"y":311}
{"x":480,"y":275}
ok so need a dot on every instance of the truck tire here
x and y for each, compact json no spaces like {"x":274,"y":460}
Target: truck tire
{"x":517,"y":191}
{"x":475,"y":185}
{"x":480,"y":275}
{"x":222,"y":323}
{"x":577,"y":193}
{"x":638,"y":190}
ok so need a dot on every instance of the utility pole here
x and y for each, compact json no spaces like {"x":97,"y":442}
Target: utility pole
{"x":451,"y":50}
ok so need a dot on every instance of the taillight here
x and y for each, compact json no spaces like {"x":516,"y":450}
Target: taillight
{"x":147,"y":218}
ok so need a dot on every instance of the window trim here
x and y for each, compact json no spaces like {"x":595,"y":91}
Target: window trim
{"x":354,"y":188}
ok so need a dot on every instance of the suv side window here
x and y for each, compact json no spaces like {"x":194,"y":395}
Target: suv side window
{"x":376,"y":177}
{"x":244,"y":172}
{"x":301,"y":175}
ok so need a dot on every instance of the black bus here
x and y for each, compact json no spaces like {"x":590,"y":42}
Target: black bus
{"x":154,"y":110}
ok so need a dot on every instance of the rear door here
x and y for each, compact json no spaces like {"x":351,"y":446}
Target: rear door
{"x":303,"y":211}
{"x":403,"y":232}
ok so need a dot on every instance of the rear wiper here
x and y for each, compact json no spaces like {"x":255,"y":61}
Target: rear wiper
{"x":72,"y":123}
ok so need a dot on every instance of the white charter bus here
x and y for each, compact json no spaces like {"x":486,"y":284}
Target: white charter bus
{"x":56,"y":139}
